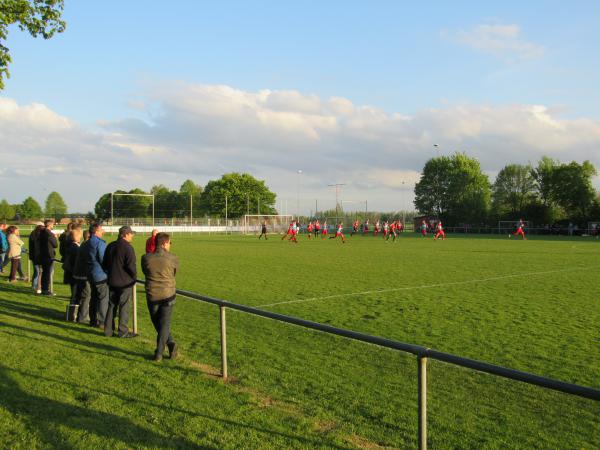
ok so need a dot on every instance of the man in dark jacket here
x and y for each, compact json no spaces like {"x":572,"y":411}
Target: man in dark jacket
{"x":47,"y":251}
{"x":82,"y":290}
{"x":160,"y":269}
{"x":120,"y":266}
{"x":36,"y":260}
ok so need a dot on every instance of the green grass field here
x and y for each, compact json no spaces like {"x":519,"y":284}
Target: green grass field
{"x":529,"y":305}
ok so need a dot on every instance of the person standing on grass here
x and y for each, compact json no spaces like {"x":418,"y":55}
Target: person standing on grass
{"x":121,"y":271}
{"x":151,"y":242}
{"x":392,"y":231}
{"x":15,"y":248}
{"x":69,"y":258}
{"x":309,"y":229}
{"x":3,"y":246}
{"x":47,"y":248}
{"x":263,"y":230}
{"x":160,"y":269}
{"x":354,"y":228}
{"x":97,"y":276}
{"x":317,"y":228}
{"x":324,"y":231}
{"x":34,"y":257}
{"x":440,"y":232}
{"x":82,"y":285}
{"x":424,"y":229}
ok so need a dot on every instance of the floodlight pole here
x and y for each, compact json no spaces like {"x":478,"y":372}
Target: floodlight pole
{"x":225,"y":214}
{"x":191,"y":209}
{"x":337,"y":193}
{"x":112,"y":216}
{"x":152,"y":210}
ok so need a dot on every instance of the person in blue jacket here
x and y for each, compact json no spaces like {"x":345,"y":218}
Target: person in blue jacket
{"x":97,"y":276}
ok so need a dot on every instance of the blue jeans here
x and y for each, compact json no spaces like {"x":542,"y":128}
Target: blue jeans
{"x":3,"y":260}
{"x":36,"y":279}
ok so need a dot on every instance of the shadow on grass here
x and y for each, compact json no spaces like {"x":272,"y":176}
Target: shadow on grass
{"x":310,"y":443}
{"x":46,"y":417}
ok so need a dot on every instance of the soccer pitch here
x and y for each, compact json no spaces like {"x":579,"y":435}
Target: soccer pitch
{"x":528,"y":305}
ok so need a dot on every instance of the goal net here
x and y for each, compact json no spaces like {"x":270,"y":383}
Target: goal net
{"x":510,"y":226}
{"x":276,"y":223}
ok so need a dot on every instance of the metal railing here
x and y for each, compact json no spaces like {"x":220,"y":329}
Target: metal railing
{"x":422,"y":354}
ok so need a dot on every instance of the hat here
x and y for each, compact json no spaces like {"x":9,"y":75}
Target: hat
{"x":125,"y":230}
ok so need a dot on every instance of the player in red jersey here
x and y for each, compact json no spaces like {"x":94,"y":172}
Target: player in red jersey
{"x":309,"y":229}
{"x":289,"y":231}
{"x":399,"y":226}
{"x":520,"y":232}
{"x":295,"y":230}
{"x":324,"y":231}
{"x":440,"y":232}
{"x":354,"y":228}
{"x":317,"y":228}
{"x":392,"y":231}
{"x":339,"y":233}
{"x":377,"y":228}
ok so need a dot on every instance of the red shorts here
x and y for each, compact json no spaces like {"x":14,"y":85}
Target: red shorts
{"x":324,"y":232}
{"x":338,"y":234}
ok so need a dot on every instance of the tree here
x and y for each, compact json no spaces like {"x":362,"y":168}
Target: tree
{"x":190,"y":189}
{"x":241,"y":190}
{"x":166,"y":202}
{"x":513,"y":190}
{"x":30,"y":209}
{"x":123,"y":205}
{"x":55,"y":206}
{"x":7,"y":211}
{"x":573,"y":189}
{"x":454,"y":188}
{"x":38,"y":17}
{"x":543,"y":175}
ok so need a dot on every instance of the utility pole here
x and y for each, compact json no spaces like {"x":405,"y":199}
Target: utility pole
{"x":337,"y":194}
{"x":191,"y":209}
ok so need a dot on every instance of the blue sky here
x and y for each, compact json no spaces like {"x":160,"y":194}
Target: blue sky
{"x":122,"y":61}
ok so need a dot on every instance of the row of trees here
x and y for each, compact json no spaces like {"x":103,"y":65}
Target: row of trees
{"x":55,"y":207}
{"x":455,"y":189}
{"x":241,"y":192}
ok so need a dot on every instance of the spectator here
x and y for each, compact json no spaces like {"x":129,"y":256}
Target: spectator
{"x":3,"y":247}
{"x":82,"y":285}
{"x":70,"y":257}
{"x":47,"y":248}
{"x":15,"y":248}
{"x":160,"y":269}
{"x":97,"y":276}
{"x":120,"y":266}
{"x":151,"y":242}
{"x":64,"y":241}
{"x":34,"y":257}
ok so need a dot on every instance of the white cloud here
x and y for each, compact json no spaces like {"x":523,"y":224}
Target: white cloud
{"x":499,"y":40}
{"x":202,"y":131}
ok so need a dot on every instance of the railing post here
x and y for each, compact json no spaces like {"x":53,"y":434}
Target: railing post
{"x":135,"y":327}
{"x":422,"y":369}
{"x":223,"y":344}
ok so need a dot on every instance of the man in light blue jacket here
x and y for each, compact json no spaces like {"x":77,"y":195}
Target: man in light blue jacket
{"x":97,"y":276}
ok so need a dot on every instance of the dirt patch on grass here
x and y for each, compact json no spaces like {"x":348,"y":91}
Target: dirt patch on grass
{"x":324,"y":426}
{"x":362,"y":442}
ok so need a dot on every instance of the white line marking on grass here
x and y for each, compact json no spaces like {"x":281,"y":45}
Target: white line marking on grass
{"x":428,"y":286}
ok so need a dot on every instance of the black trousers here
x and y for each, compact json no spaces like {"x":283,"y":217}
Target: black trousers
{"x":47,"y":271}
{"x":119,"y":300}
{"x":160,"y":313}
{"x":82,"y":298}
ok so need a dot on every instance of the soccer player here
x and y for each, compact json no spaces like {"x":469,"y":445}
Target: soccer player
{"x":520,"y":232}
{"x":392,"y":231}
{"x":354,"y":228}
{"x":386,"y":229}
{"x":424,"y":229}
{"x":289,"y":231}
{"x":366,"y":227}
{"x":324,"y":230}
{"x":377,"y":228}
{"x":295,"y":229}
{"x":317,"y":228}
{"x":309,"y":229}
{"x":263,"y":231}
{"x":339,"y":233}
{"x":440,"y":232}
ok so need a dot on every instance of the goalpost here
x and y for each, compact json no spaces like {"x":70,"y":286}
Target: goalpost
{"x":276,"y":223}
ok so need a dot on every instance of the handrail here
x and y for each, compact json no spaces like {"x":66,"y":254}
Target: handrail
{"x":422,"y":354}
{"x":418,"y":350}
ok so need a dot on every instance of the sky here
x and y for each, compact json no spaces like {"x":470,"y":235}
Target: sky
{"x":299,"y":94}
